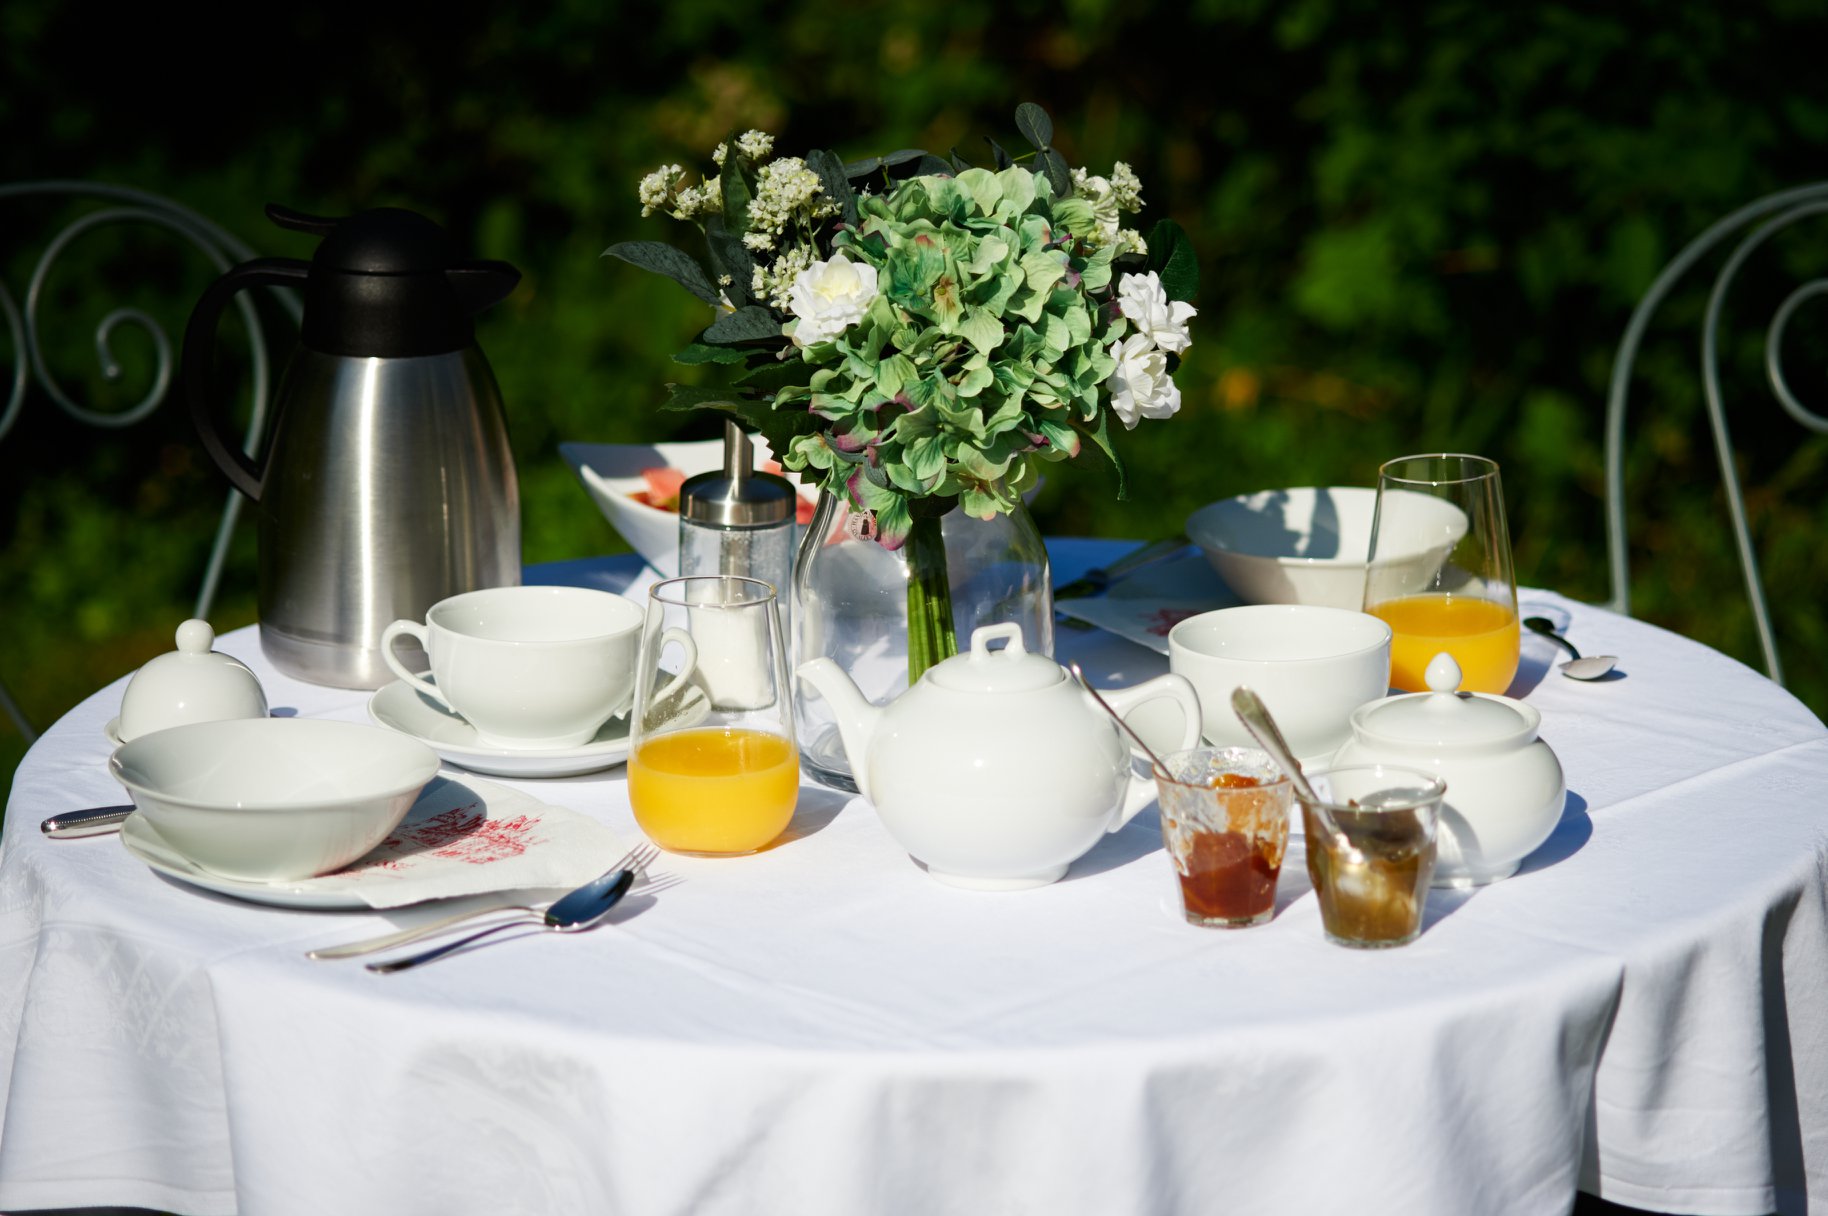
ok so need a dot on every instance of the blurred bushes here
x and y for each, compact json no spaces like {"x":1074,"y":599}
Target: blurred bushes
{"x":1421,"y":227}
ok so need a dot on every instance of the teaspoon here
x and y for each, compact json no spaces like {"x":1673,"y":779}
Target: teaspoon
{"x":582,"y":909}
{"x":1576,"y":668}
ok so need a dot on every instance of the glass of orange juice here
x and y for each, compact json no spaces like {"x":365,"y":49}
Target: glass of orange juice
{"x":713,"y":768}
{"x":1440,"y":570}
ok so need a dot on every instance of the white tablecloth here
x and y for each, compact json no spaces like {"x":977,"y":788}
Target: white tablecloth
{"x":821,"y":1028}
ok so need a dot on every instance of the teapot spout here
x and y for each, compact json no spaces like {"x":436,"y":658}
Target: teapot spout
{"x":857,"y":718}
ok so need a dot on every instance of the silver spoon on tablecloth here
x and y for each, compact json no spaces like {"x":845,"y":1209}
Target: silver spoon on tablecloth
{"x":1592,"y":667}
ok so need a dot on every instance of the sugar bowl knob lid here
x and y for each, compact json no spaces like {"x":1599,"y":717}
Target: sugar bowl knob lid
{"x":191,"y":684}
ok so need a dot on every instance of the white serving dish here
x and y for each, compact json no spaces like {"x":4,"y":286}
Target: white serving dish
{"x":611,"y":472}
{"x":273,"y":799}
{"x":1309,"y":545}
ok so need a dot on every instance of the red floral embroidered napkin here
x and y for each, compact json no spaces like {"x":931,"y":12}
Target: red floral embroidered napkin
{"x":465,"y":836}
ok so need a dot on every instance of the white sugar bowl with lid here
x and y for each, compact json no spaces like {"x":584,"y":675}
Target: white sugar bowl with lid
{"x":1504,"y":785}
{"x":190,"y":684}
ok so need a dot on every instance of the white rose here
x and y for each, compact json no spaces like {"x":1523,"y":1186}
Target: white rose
{"x":1141,"y":386}
{"x":829,"y":298}
{"x":1140,"y":298}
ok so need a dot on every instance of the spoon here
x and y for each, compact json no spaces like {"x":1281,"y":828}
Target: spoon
{"x":637,"y":859}
{"x":1256,"y":718}
{"x":1576,"y":668}
{"x":583,"y":909}
{"x":1147,"y":750}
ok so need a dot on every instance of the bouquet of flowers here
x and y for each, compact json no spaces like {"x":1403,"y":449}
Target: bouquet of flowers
{"x":913,"y":334}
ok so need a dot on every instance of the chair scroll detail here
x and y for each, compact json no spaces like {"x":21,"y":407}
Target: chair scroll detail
{"x":1755,"y":224}
{"x":126,"y":205}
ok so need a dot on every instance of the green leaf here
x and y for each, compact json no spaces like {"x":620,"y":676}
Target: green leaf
{"x":1001,"y":158}
{"x":773,"y":376}
{"x":729,"y":257}
{"x":1034,"y":124}
{"x":855,"y":169}
{"x":702,"y":396}
{"x":933,"y":166}
{"x":737,"y":182}
{"x":834,"y":181}
{"x":698,"y":352}
{"x":1100,"y":434}
{"x":1059,"y":174}
{"x":751,"y":324}
{"x":902,"y":156}
{"x":959,"y":163}
{"x":1171,"y":257}
{"x":678,"y":266}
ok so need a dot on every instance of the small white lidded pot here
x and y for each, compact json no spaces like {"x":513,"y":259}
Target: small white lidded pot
{"x":191,"y":684}
{"x":1505,"y":788}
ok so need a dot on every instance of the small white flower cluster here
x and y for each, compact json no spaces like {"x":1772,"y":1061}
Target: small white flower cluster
{"x":1141,"y":386}
{"x":774,"y":281}
{"x":755,"y":145}
{"x":661,"y":191}
{"x":657,"y":187}
{"x":785,"y":190}
{"x":1110,"y":198}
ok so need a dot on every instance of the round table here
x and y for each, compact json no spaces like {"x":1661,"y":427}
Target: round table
{"x":1642,"y":1012}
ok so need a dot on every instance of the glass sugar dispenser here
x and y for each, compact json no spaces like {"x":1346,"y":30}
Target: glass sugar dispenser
{"x":737,"y":522}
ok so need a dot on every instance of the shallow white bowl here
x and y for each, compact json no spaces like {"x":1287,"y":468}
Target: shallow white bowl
{"x":1311,"y":666}
{"x":612,"y":473}
{"x":1309,"y":545}
{"x":273,"y":799}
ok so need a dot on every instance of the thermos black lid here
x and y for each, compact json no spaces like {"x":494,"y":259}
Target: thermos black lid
{"x":389,"y":283}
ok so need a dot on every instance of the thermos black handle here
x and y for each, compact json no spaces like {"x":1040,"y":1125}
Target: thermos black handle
{"x":200,"y":346}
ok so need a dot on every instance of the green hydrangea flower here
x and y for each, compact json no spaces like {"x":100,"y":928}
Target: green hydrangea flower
{"x":984,"y":352}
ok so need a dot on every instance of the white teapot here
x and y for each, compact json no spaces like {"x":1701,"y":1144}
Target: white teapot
{"x":1504,"y":785}
{"x":996,"y":769}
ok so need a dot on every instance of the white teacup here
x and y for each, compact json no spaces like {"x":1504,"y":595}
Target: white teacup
{"x":528,"y":667}
{"x":1311,"y":666}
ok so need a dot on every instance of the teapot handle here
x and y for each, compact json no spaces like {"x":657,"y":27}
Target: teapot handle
{"x":200,"y":346}
{"x":1175,"y":688}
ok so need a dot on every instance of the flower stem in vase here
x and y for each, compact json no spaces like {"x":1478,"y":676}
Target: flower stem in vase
{"x":931,"y":637}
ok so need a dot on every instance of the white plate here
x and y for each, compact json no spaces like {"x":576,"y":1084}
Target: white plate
{"x":399,"y":706}
{"x":143,"y":841}
{"x":463,"y":837}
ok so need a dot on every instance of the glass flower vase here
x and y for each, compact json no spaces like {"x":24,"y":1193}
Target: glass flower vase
{"x":885,"y":615}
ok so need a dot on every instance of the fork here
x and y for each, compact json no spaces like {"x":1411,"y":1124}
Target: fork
{"x":637,"y":859}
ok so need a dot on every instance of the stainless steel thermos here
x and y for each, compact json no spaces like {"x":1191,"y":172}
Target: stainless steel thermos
{"x":389,"y":484}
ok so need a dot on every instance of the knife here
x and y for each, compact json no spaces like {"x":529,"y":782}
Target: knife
{"x":1094,"y":582}
{"x":95,"y":821}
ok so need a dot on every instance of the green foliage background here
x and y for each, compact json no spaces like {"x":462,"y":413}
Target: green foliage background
{"x":1421,"y":227}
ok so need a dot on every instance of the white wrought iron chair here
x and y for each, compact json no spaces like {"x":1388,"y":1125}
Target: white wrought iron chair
{"x":114,"y":205}
{"x":1754,"y":225}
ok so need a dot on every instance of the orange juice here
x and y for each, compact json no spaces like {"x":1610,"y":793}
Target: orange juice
{"x":714,"y":790}
{"x":1481,"y":636}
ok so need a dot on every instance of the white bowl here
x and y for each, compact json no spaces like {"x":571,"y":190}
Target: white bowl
{"x":1311,"y":666}
{"x":1309,"y":545}
{"x":273,"y":799}
{"x":612,"y":474}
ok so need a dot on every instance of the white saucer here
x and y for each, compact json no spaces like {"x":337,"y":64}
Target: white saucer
{"x":143,"y":841}
{"x":399,"y":706}
{"x":113,"y":731}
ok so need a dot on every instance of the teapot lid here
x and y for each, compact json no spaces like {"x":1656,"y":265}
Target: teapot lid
{"x":190,"y":684}
{"x":1011,"y":669}
{"x":1446,"y":717}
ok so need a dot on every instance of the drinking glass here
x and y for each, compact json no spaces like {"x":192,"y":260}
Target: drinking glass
{"x":1224,"y":814}
{"x":1371,"y":850}
{"x":713,"y":768}
{"x":1439,"y":571}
